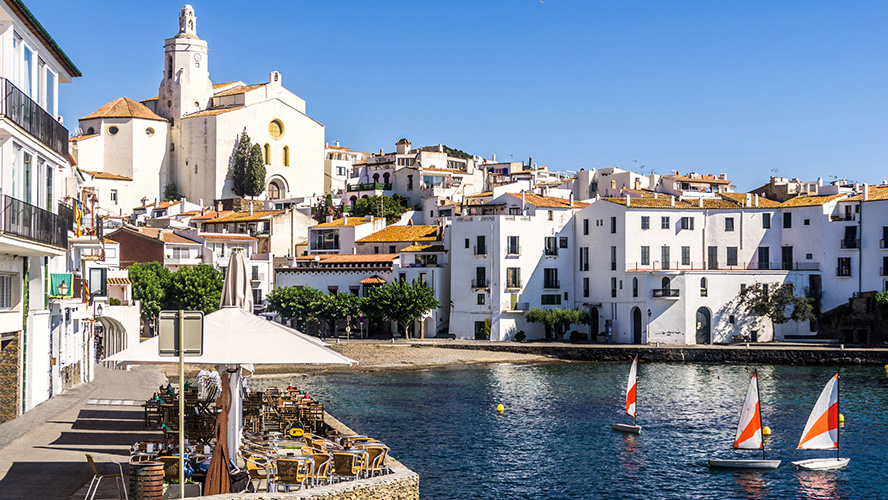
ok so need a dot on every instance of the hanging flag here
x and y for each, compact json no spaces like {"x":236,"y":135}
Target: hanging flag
{"x":86,"y":289}
{"x":78,"y":217}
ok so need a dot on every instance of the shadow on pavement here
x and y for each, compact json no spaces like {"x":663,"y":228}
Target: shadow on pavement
{"x":56,"y":480}
{"x":112,"y":414}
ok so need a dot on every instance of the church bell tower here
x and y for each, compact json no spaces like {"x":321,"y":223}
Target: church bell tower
{"x":186,"y":86}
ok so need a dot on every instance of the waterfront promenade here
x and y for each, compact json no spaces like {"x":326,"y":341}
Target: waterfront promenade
{"x":42,"y":453}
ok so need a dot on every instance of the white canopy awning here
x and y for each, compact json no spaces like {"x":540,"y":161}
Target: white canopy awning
{"x":234,"y":336}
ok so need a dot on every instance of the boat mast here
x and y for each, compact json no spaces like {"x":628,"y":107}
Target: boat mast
{"x":759,"y":396}
{"x":838,"y":412}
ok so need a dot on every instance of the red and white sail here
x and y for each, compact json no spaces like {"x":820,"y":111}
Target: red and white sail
{"x":630,"y":388}
{"x":822,"y":430}
{"x":749,"y":430}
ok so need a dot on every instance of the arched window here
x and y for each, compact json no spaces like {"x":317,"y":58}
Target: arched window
{"x":635,"y":287}
{"x":267,"y":154}
{"x":170,"y":67}
{"x":353,"y":199}
{"x":704,"y":291}
{"x":375,"y":178}
{"x":664,"y":283}
{"x":385,"y":177}
{"x":274,"y":191}
{"x":90,"y":131}
{"x":286,"y":156}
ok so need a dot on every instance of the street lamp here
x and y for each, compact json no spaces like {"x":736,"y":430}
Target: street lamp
{"x":63,"y":289}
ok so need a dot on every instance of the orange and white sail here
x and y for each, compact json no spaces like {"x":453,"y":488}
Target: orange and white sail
{"x":749,"y":430}
{"x":822,"y":430}
{"x":630,"y":388}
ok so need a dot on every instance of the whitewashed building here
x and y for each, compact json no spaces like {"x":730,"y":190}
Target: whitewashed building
{"x":518,"y":256}
{"x":33,"y":237}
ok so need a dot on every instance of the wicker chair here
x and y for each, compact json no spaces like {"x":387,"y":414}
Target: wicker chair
{"x":289,"y":472}
{"x":260,"y":467}
{"x":323,"y":465}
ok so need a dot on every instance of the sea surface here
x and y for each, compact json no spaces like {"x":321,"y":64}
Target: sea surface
{"x":554,"y":439}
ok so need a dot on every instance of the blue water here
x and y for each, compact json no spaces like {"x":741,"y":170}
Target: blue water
{"x":555,"y":441}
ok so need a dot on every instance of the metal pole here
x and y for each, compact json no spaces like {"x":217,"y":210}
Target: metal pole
{"x":181,"y":331}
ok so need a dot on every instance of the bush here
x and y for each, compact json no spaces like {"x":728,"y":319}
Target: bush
{"x":520,"y":336}
{"x":576,"y":336}
{"x":113,"y":301}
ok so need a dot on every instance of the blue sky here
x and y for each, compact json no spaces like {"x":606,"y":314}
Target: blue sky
{"x":745,"y":88}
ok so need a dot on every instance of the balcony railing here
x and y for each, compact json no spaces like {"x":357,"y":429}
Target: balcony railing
{"x":513,"y":251}
{"x":27,"y":114}
{"x":843,"y":271}
{"x":325,"y":245}
{"x":370,"y":186}
{"x":550,"y":251}
{"x":850,"y":243}
{"x":32,"y":223}
{"x":721,"y":266}
{"x":513,"y":285}
{"x":476,"y":283}
{"x":665,"y":292}
{"x":480,"y":249}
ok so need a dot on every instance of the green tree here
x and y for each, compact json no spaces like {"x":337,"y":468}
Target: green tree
{"x":241,"y":164}
{"x":300,"y":304}
{"x":402,"y":302}
{"x":195,"y":288}
{"x":545,"y":316}
{"x":389,"y":207}
{"x":254,"y":177}
{"x":336,"y":306}
{"x":326,"y":208}
{"x":150,"y":282}
{"x":171,"y":192}
{"x":777,"y":303}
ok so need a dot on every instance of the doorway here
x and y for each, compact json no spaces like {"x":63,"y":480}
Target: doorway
{"x":704,"y":330}
{"x":636,"y":325}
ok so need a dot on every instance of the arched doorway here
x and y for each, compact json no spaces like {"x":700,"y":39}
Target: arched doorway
{"x":593,"y":322}
{"x":636,"y":325}
{"x":704,"y":326}
{"x":274,"y":190}
{"x":385,"y":177}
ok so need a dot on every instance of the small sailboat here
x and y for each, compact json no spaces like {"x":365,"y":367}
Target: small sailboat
{"x":822,"y":430}
{"x":630,"y":402}
{"x":749,"y":433}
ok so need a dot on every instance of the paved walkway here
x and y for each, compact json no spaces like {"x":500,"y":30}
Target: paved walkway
{"x":42,"y":452}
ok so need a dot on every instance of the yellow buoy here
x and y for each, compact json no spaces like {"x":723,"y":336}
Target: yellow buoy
{"x":841,"y":418}
{"x":500,"y":408}
{"x":766,"y":431}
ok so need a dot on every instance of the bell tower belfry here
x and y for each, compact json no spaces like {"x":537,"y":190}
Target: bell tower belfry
{"x":185,"y":87}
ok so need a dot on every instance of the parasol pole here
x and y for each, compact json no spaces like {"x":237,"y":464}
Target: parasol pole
{"x":181,"y":319}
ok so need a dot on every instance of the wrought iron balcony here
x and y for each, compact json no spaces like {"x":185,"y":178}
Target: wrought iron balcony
{"x":27,"y":114}
{"x":480,"y":250}
{"x":370,"y":186}
{"x":476,"y":284}
{"x":513,"y":251}
{"x":26,"y":221}
{"x":850,"y":243}
{"x":666,"y":293}
{"x":551,"y":284}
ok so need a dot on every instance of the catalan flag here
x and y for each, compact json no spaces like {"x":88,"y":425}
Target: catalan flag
{"x":78,"y":217}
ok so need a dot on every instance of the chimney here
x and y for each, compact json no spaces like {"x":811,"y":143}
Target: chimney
{"x":200,"y":201}
{"x":523,"y":204}
{"x":336,"y":143}
{"x":570,"y":200}
{"x":493,"y":158}
{"x":218,"y":205}
{"x":628,"y":200}
{"x":329,"y":218}
{"x":756,"y":200}
{"x":251,"y":208}
{"x":344,"y":220}
{"x":656,"y":195}
{"x":672,"y":201}
{"x":440,"y":148}
{"x":381,"y":151}
{"x":700,"y":202}
{"x":865,"y":192}
{"x":748,"y":199}
{"x":368,"y":218}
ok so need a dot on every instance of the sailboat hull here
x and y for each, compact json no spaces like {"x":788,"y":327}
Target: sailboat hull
{"x":744,"y":464}
{"x":821,"y":463}
{"x":631,"y":429}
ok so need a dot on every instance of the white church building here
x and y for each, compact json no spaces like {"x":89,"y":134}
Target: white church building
{"x":187,"y":134}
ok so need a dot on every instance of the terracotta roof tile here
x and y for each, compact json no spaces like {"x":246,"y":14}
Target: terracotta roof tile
{"x":212,"y":112}
{"x":352,"y":221}
{"x":372,"y":280}
{"x":239,"y":90}
{"x":212,"y":215}
{"x":548,"y":201}
{"x":124,"y":107}
{"x":258,"y":215}
{"x":158,"y":234}
{"x":810,"y":201}
{"x":226,"y":236}
{"x":874,"y":193}
{"x":707,"y":179}
{"x":424,"y":248}
{"x":403,"y":233}
{"x":480,"y":195}
{"x":82,"y":137}
{"x":346,"y":258}
{"x":106,"y":175}
{"x":160,"y":206}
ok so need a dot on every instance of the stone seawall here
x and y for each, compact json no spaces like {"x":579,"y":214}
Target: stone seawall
{"x":401,"y":484}
{"x":778,"y":354}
